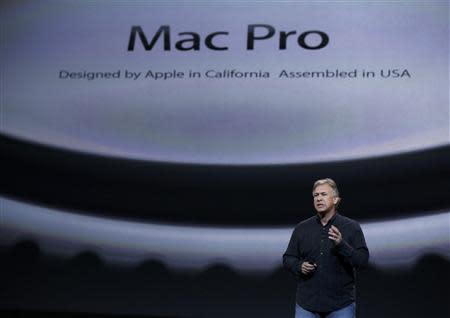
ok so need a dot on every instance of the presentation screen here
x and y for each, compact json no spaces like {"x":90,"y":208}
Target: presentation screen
{"x":157,"y":155}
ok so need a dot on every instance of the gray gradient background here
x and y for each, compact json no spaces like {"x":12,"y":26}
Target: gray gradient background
{"x":227,"y":121}
{"x":392,"y":244}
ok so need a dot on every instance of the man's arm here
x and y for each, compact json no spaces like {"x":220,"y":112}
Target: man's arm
{"x":356,"y":253}
{"x":291,"y":258}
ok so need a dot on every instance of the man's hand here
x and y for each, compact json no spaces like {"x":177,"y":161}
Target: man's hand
{"x":307,"y":268}
{"x":335,"y":235}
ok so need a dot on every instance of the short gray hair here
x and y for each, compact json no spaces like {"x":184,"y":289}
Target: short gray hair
{"x":328,"y":181}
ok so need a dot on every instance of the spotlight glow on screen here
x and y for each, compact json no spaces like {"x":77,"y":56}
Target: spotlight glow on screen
{"x":397,"y":243}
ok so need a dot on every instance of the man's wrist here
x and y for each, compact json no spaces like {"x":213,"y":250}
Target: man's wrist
{"x":344,"y":248}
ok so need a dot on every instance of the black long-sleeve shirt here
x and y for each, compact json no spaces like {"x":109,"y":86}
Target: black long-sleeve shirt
{"x":331,"y":286}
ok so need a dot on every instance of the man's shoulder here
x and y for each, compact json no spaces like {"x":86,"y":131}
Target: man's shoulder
{"x":346,"y":221}
{"x":306,"y":222}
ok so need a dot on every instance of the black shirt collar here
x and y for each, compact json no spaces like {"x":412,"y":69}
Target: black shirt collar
{"x":329,"y":222}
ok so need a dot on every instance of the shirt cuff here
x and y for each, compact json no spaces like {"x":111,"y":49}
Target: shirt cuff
{"x":344,"y":249}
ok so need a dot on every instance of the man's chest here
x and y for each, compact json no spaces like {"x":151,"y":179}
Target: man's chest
{"x":315,"y":239}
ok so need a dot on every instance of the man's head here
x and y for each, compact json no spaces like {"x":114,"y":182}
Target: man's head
{"x":326,"y":195}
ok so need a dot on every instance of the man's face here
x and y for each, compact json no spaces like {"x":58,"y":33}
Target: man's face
{"x":324,"y":199}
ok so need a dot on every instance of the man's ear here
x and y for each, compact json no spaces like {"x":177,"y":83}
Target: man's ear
{"x":336,"y":200}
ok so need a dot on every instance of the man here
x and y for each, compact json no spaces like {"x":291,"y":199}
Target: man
{"x":323,"y":253}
